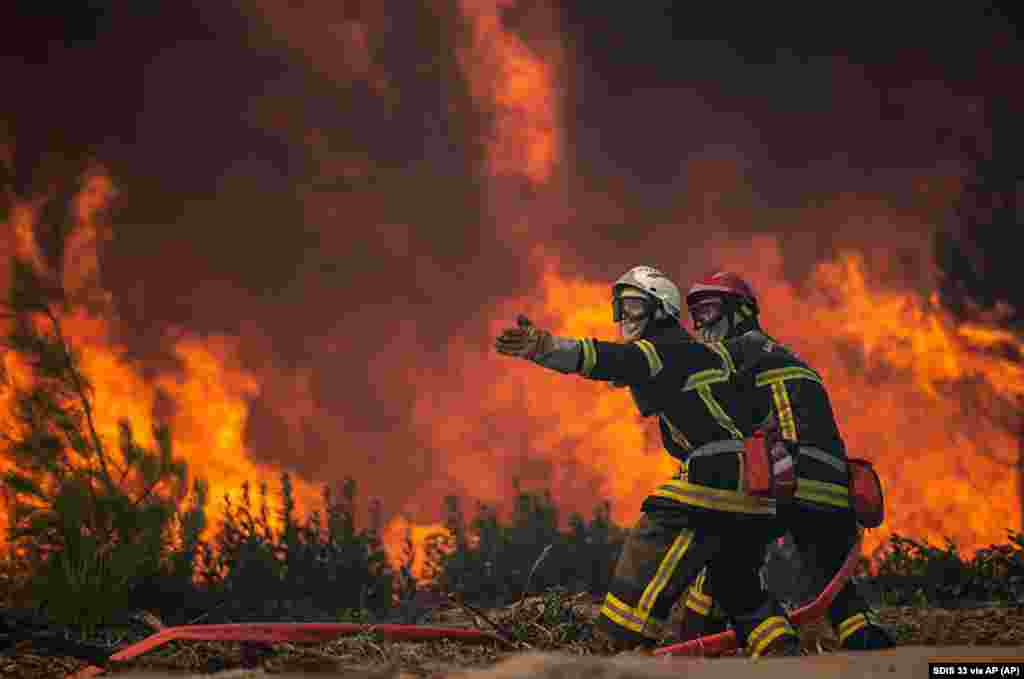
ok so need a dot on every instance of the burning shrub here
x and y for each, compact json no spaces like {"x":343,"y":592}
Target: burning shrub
{"x":97,"y":530}
{"x":308,"y":570}
{"x":917,"y":573}
{"x":494,"y":562}
{"x":92,"y":524}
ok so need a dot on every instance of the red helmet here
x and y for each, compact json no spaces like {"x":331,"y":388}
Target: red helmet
{"x":722,"y":283}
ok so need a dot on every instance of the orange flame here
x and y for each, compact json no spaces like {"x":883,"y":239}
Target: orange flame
{"x":210,"y":393}
{"x":81,"y":251}
{"x":914,"y":407}
{"x":403,"y":539}
{"x":22,"y":221}
{"x":914,"y":335}
{"x":507,"y":77}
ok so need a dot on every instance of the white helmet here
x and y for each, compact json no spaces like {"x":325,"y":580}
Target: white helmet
{"x":655,"y":284}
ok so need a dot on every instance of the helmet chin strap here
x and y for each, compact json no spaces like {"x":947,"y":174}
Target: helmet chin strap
{"x":717,"y":331}
{"x":633,"y":330}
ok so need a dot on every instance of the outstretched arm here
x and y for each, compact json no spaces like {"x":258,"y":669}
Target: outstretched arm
{"x":630,"y":363}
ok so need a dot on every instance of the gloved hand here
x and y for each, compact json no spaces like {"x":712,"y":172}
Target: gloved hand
{"x":524,"y":341}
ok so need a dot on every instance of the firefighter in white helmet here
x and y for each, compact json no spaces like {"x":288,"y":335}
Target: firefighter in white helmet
{"x":791,"y":405}
{"x":695,"y":518}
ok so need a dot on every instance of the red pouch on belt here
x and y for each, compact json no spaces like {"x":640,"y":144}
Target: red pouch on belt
{"x":757,"y":466}
{"x":768,"y":472}
{"x":783,"y":472}
{"x":866,"y":493}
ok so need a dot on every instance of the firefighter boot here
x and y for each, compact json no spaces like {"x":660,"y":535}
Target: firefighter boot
{"x":695,"y":625}
{"x":785,"y":646}
{"x":775,"y":636}
{"x":605,"y":641}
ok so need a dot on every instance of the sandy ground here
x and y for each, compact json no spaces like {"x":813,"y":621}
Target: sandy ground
{"x":908,"y":662}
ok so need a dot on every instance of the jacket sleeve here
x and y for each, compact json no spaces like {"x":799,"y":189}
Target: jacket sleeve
{"x":626,"y":363}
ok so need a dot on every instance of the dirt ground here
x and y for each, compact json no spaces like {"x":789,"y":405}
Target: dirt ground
{"x":907,"y":662}
{"x":547,"y":627}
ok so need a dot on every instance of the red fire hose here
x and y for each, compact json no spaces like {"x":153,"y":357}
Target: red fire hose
{"x":716,"y":644}
{"x":278,"y":632}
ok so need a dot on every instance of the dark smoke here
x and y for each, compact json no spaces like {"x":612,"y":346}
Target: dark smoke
{"x":977,"y":251}
{"x":860,"y":114}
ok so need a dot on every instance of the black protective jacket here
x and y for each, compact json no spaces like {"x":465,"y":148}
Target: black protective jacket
{"x":788,"y":399}
{"x":690,"y":387}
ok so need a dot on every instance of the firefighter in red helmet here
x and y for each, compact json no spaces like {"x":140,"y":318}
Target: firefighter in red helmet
{"x":722,"y":306}
{"x":689,"y":521}
{"x":792,"y":408}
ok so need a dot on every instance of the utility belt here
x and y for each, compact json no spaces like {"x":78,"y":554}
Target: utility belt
{"x":770,"y":472}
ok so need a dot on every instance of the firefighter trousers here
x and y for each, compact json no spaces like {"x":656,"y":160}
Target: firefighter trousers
{"x":823,"y":538}
{"x":665,"y":552}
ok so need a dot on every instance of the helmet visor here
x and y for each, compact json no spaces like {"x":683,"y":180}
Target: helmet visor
{"x":631,"y":308}
{"x":706,"y":312}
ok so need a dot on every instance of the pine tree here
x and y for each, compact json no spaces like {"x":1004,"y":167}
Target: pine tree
{"x":92,"y":519}
{"x":191,"y":524}
{"x":290,"y":547}
{"x":495,"y":566}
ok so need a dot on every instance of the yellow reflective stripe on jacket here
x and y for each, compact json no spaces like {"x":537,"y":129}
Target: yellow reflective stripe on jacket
{"x":718,"y":412}
{"x":589,"y":356}
{"x":705,"y":377}
{"x":784,"y":411}
{"x":677,"y":436}
{"x":793,"y":373}
{"x":723,"y":353}
{"x":701,"y":383}
{"x":651,"y":354}
{"x":715,"y":499}
{"x":776,"y":379}
{"x":822,"y":492}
